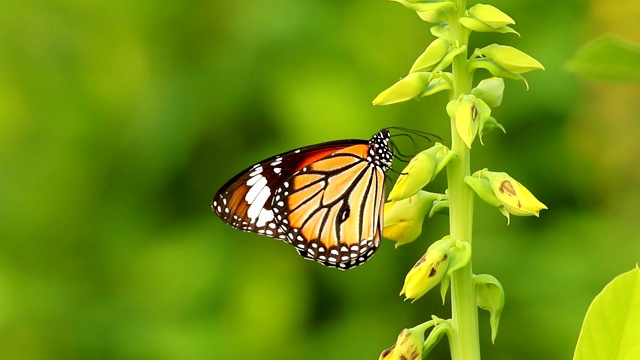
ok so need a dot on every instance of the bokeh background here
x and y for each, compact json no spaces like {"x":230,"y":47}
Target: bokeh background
{"x":120,"y":119}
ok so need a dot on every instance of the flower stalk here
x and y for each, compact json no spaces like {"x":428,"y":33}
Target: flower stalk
{"x":464,"y":341}
{"x":448,"y":261}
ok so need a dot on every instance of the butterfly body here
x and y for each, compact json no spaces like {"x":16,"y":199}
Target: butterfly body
{"x":326,"y":199}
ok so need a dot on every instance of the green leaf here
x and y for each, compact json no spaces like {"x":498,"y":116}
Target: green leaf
{"x":487,"y":125}
{"x":435,"y":335}
{"x":436,"y":85}
{"x":440,"y":207}
{"x":608,"y":58}
{"x":611,"y":328}
{"x":490,"y":90}
{"x":490,"y":297}
{"x":442,"y":31}
{"x":435,"y":16}
{"x":459,"y":257}
{"x":482,"y":188}
{"x":448,"y":58}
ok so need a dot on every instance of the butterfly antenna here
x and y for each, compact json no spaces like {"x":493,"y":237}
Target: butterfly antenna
{"x":400,"y":173}
{"x":388,"y":178}
{"x":422,"y":134}
{"x":397,"y":153}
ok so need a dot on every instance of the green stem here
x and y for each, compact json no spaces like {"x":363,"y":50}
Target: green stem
{"x":464,"y":342}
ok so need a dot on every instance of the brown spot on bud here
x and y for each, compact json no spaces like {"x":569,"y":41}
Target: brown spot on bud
{"x":412,"y":354}
{"x":420,"y":261}
{"x":433,"y":271}
{"x":506,"y":187}
{"x":386,"y":352}
{"x":474,"y":113}
{"x":404,"y":338}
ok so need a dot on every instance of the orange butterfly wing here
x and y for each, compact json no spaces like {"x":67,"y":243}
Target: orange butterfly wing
{"x":331,"y":210}
{"x":325,"y":199}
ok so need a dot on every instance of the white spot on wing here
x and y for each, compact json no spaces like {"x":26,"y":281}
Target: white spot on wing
{"x":256,"y":189}
{"x":257,"y":205}
{"x":264,"y":217}
{"x":254,"y":179}
{"x":257,"y":168}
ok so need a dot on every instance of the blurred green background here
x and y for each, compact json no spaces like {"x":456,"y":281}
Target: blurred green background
{"x":119,"y":120}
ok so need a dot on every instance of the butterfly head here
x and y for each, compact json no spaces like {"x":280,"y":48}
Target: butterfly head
{"x":379,"y":150}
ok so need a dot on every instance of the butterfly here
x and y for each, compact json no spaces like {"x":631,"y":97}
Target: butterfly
{"x":326,"y":199}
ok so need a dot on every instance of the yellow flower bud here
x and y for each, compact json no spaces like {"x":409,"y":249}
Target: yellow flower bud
{"x":512,"y":196}
{"x":474,"y":24}
{"x":388,"y":354}
{"x":409,"y":344}
{"x":428,"y":271}
{"x":420,"y":171}
{"x":431,"y":56}
{"x":433,"y":12}
{"x":407,"y":88}
{"x":511,"y":59}
{"x":465,"y":116}
{"x":490,"y":15}
{"x":493,"y":68}
{"x":468,"y":113}
{"x":403,"y":219}
{"x":515,"y":197}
